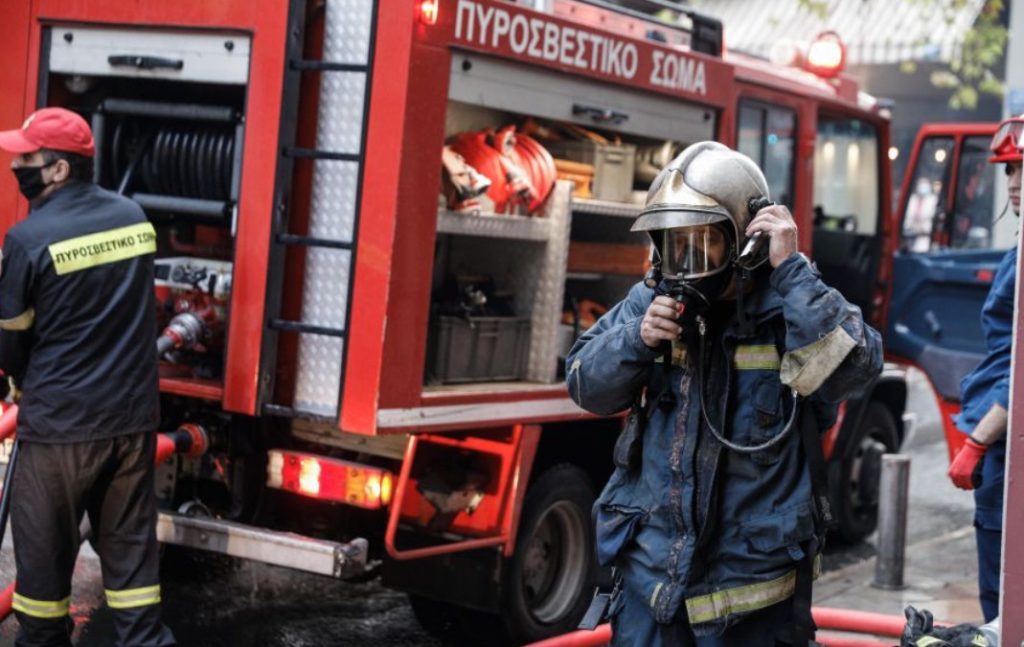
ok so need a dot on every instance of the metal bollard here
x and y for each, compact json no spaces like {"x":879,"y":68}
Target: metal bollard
{"x":892,"y":521}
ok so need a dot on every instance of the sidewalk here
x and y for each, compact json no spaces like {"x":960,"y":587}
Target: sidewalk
{"x":940,"y":575}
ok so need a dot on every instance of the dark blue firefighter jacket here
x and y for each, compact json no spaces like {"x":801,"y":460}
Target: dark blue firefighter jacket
{"x":989,"y":384}
{"x":696,"y":524}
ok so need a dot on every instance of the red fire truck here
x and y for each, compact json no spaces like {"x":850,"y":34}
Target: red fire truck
{"x":318,"y":299}
{"x":956,"y":226}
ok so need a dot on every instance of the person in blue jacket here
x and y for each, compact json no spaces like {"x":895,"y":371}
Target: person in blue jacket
{"x":985,"y":394}
{"x":708,"y":516}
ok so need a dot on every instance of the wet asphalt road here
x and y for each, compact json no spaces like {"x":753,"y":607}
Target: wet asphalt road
{"x":211,"y":601}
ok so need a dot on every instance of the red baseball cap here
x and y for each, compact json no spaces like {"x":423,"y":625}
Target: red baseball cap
{"x":56,"y":129}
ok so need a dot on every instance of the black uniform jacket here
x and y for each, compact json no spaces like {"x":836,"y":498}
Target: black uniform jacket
{"x":78,"y":317}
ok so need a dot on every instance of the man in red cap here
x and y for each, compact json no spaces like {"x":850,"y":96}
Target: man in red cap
{"x":985,"y":392}
{"x":77,"y":331}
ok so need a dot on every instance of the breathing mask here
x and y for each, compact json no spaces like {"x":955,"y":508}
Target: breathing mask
{"x":696,"y":212}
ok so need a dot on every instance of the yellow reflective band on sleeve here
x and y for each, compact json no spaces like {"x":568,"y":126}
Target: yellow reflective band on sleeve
{"x":23,"y":321}
{"x":805,"y":369}
{"x":104,"y":247}
{"x":764,"y":357}
{"x":131,"y":598}
{"x":741,"y":599}
{"x":925,"y":641}
{"x":41,"y":608}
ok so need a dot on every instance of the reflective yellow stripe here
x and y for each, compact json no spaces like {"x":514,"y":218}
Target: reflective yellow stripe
{"x":654,"y":596}
{"x":131,"y":598}
{"x":678,"y":355}
{"x":23,"y":321}
{"x":41,"y":608}
{"x":757,"y":357}
{"x":805,"y":369}
{"x":104,"y":247}
{"x":924,"y":641}
{"x":741,"y":599}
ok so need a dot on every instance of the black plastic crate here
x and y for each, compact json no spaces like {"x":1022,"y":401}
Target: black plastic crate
{"x":477,"y":349}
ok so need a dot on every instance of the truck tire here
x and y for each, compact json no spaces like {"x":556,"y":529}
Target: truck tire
{"x":854,"y":474}
{"x":548,"y":581}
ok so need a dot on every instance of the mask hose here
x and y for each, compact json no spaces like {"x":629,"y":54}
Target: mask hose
{"x":741,"y":449}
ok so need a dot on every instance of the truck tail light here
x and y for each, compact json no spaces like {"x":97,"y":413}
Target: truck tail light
{"x":426,"y":11}
{"x":329,"y":479}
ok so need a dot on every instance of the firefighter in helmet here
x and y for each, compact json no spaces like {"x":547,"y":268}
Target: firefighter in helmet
{"x":77,"y":331}
{"x":985,"y":392}
{"x":731,"y":356}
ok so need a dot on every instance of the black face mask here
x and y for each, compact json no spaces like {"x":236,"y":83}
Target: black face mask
{"x":30,"y":180}
{"x":698,"y":294}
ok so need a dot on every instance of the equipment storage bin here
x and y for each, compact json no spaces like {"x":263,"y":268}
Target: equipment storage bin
{"x":478,"y":349}
{"x":613,"y":166}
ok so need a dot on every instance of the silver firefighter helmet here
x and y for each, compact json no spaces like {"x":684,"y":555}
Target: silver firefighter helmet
{"x":697,"y":209}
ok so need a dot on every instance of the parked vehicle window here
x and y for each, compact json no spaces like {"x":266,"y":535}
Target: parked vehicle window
{"x":846,"y":175}
{"x":926,"y":204}
{"x":767,"y":135}
{"x":974,"y":210}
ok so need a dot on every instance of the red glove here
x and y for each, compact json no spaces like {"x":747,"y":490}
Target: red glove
{"x":965,"y":471}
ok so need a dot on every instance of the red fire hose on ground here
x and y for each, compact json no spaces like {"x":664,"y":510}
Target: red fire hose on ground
{"x":186,"y":439}
{"x":827,"y":619}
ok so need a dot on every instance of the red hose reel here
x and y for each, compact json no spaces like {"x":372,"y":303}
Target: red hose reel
{"x":522,"y":172}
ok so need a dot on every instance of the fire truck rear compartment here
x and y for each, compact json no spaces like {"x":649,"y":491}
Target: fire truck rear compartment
{"x":168,"y":112}
{"x":573,"y":253}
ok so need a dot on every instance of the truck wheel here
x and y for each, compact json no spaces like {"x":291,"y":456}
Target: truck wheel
{"x":854,"y":474}
{"x":548,"y":580}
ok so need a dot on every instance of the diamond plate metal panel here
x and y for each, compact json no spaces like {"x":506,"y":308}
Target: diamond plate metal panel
{"x":490,"y":226}
{"x":606,"y":208}
{"x":333,"y":208}
{"x":325,"y":287}
{"x":340,"y":115}
{"x":347,"y":31}
{"x":318,"y":381}
{"x":324,"y":302}
{"x":548,"y":294}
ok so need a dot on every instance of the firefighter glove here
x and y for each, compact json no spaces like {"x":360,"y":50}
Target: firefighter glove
{"x":965,"y":471}
{"x":920,"y":631}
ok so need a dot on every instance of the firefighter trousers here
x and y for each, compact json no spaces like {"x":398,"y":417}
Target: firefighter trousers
{"x":54,"y":485}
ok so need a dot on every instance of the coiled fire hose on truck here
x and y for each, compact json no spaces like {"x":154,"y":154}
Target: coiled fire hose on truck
{"x":187,"y":439}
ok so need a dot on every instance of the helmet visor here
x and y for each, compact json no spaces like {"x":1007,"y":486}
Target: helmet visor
{"x":1006,"y":143}
{"x":695,"y":251}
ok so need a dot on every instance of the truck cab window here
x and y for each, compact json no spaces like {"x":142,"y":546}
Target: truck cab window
{"x":766,"y":135}
{"x":846,"y":175}
{"x":974,"y":211}
{"x":925,"y":207}
{"x":847,"y":205}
